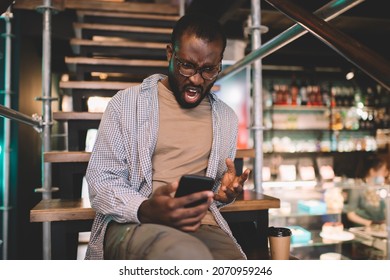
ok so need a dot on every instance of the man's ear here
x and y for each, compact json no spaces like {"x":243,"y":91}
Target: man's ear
{"x":169,"y":51}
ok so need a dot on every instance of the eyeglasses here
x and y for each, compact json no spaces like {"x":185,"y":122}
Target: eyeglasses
{"x":189,"y":70}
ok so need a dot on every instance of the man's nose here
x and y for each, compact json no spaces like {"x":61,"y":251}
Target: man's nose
{"x":197,"y":79}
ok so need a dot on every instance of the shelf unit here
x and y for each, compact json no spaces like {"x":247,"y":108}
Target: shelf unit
{"x":289,"y":215}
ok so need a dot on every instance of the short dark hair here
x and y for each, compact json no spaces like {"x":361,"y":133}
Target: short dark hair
{"x":203,"y":26}
{"x":373,"y":161}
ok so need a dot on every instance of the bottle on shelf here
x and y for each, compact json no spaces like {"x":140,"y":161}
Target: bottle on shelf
{"x":278,"y":95}
{"x":286,"y":97}
{"x":310,"y":95}
{"x":303,"y":93}
{"x":295,"y":95}
{"x":317,"y":96}
{"x":294,"y":91}
{"x":326,"y":97}
{"x":333,"y":101}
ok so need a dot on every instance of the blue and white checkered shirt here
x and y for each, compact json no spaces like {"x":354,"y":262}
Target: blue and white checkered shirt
{"x":119,"y":173}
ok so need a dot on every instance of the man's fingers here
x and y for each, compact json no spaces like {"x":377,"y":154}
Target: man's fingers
{"x":244,"y":176}
{"x":167,"y":189}
{"x":184,"y":200}
{"x":230,"y":166}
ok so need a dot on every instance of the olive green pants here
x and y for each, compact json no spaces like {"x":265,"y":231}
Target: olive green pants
{"x":159,"y":242}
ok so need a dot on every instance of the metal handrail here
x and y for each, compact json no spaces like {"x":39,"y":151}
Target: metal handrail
{"x":368,"y":61}
{"x":34,"y":121}
{"x":327,"y":12}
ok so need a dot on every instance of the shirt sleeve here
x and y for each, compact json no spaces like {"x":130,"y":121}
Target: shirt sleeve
{"x":110,"y":186}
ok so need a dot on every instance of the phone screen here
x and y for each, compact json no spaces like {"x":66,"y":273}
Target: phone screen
{"x":189,"y":184}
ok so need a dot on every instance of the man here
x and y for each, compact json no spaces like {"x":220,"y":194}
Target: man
{"x":152,"y":134}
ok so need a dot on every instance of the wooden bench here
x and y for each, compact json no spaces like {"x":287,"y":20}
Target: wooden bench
{"x":70,"y":216}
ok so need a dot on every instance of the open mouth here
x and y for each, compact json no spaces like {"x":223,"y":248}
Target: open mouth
{"x":192,"y":95}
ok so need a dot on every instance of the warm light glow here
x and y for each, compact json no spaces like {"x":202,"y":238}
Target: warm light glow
{"x":103,"y":76}
{"x":350,"y":75}
{"x":97,"y":104}
{"x":64,"y":78}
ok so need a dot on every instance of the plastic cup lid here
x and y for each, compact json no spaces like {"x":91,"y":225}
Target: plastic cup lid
{"x":279,"y":231}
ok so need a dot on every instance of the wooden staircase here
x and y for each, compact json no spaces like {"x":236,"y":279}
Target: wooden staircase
{"x":131,"y":44}
{"x":118,"y":42}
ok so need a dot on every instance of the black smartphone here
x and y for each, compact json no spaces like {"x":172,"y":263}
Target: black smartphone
{"x":190,"y":183}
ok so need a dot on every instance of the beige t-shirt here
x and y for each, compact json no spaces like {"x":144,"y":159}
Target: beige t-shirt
{"x":176,"y":151}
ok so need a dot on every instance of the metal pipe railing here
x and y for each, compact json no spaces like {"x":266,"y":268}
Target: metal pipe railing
{"x":34,"y":121}
{"x":47,"y":10}
{"x":7,"y":129}
{"x":327,"y":12}
{"x":257,"y":84}
{"x":362,"y":57}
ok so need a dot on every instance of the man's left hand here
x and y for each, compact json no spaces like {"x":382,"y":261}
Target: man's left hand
{"x":231,"y":185}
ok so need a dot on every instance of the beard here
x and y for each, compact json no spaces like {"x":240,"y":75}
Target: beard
{"x":179,"y":93}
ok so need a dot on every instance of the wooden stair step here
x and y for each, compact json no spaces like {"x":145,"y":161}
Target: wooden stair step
{"x":122,"y":18}
{"x":55,"y":210}
{"x":83,"y":65}
{"x":71,"y":116}
{"x":94,"y":85}
{"x":116,"y":61}
{"x":78,"y":125}
{"x":119,"y":48}
{"x":152,"y":8}
{"x":66,"y":156}
{"x":82,"y":90}
{"x":139,"y":33}
{"x":125,"y":6}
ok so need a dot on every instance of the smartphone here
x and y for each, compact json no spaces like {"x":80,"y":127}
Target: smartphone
{"x":190,"y":183}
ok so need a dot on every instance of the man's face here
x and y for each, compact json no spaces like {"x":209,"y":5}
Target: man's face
{"x":192,"y":52}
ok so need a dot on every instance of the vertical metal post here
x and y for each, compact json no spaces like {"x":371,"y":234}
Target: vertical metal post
{"x":46,"y":99}
{"x":257,"y":97}
{"x":182,"y":7}
{"x":7,"y":129}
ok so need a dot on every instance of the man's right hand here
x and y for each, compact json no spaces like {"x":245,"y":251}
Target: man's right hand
{"x":162,"y":208}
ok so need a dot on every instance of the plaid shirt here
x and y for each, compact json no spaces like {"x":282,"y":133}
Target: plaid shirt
{"x":119,"y":173}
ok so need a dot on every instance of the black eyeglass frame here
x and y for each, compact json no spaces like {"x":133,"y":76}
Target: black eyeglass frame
{"x":179,"y":63}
